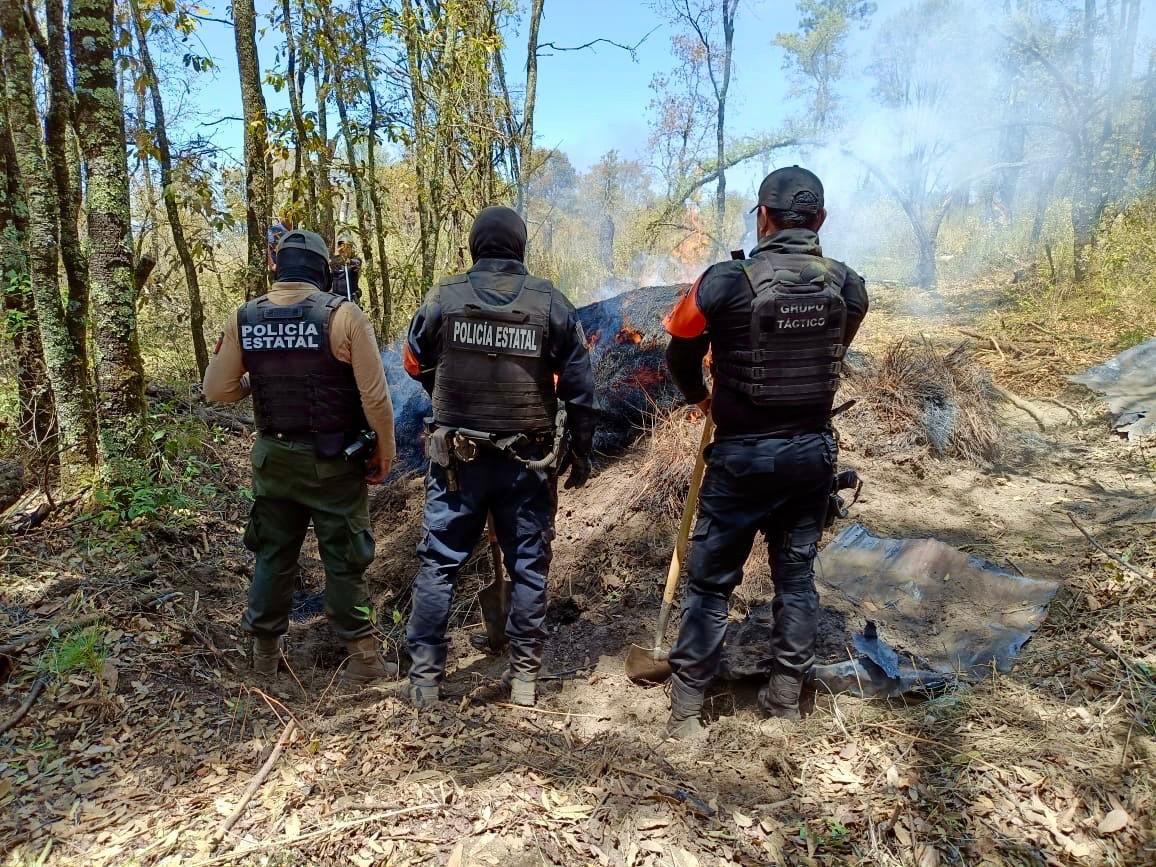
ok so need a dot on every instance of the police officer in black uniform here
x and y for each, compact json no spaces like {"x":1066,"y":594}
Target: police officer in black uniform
{"x":777,"y":324}
{"x":499,"y":351}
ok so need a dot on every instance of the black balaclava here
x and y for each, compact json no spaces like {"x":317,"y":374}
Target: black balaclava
{"x":295,"y":265}
{"x":498,"y":233}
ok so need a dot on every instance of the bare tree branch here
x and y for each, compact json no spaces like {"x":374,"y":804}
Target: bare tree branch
{"x":632,"y":50}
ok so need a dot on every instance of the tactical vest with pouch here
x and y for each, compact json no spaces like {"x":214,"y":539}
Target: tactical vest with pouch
{"x":790,"y":351}
{"x":299,"y":387}
{"x":494,"y":372}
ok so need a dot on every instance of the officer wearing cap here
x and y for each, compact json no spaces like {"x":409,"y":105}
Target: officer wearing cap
{"x":777,"y":325}
{"x":310,"y":360}
{"x":499,"y":351}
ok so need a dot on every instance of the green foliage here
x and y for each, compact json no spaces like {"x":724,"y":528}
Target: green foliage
{"x":169,"y":486}
{"x":78,"y":651}
{"x":816,"y":56}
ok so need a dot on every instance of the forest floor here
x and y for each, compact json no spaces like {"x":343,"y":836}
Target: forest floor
{"x":151,"y":728}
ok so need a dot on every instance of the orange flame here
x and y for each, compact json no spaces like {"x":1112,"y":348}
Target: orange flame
{"x":628,"y":334}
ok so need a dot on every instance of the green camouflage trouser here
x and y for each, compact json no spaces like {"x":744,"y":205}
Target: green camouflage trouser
{"x":292,"y":486}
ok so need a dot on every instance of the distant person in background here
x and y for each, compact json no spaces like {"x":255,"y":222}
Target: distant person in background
{"x":273,"y":237}
{"x":345,"y":272}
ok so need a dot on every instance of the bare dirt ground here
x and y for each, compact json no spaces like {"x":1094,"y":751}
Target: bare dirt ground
{"x":138,"y":757}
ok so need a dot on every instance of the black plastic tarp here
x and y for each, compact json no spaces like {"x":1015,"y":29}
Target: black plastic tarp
{"x":1128,"y":383}
{"x":904,"y":615}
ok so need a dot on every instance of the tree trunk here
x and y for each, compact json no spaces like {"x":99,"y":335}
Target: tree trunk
{"x":324,"y":159}
{"x":258,"y":181}
{"x":169,"y":194}
{"x":149,"y":222}
{"x":360,"y":207}
{"x":58,"y":130}
{"x":35,"y":413}
{"x":385,"y":325}
{"x":71,"y":391}
{"x":425,"y":212}
{"x":100,"y":127}
{"x":294,"y":80}
{"x":1084,"y":219}
{"x":525,"y":143}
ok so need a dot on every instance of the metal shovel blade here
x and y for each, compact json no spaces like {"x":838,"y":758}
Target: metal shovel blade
{"x":647,"y":665}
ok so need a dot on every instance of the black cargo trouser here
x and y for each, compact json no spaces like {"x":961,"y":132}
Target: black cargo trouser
{"x":779,"y":487}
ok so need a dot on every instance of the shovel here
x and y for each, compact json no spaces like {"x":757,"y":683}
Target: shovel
{"x":494,"y":599}
{"x":646,"y":665}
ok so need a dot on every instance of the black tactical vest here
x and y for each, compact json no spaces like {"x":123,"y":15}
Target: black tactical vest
{"x":494,"y":372}
{"x":789,"y":352}
{"x":299,"y":387}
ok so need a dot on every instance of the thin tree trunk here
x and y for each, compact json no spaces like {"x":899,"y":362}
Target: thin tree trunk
{"x":324,"y":160}
{"x":425,"y":211}
{"x":293,"y":81}
{"x":58,"y":128}
{"x":100,"y":127}
{"x":385,"y":325}
{"x":728,"y":22}
{"x":359,"y":204}
{"x":35,"y":419}
{"x":148,"y":234}
{"x":71,"y":391}
{"x":525,"y":143}
{"x":169,"y":194}
{"x":258,"y":180}
{"x":361,"y":209}
{"x":1084,"y":220}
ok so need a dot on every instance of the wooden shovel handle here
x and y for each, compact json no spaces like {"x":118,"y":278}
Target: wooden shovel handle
{"x":688,"y":510}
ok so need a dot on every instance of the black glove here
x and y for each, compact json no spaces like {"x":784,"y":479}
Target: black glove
{"x":580,"y":425}
{"x":579,"y":466}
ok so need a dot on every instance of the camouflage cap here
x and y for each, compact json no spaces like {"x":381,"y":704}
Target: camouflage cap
{"x":303,"y":240}
{"x":791,"y":188}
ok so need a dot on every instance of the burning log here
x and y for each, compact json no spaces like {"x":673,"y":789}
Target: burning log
{"x":627,"y":346}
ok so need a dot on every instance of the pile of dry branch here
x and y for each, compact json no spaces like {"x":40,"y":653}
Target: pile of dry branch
{"x":667,"y":459}
{"x":913,"y":399}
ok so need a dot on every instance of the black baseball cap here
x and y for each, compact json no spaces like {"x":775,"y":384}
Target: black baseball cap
{"x":791,"y":188}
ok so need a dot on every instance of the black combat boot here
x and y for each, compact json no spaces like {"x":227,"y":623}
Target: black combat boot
{"x":685,"y":721}
{"x":780,"y":697}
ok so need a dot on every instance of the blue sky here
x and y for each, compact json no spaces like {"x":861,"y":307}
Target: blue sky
{"x":589,"y":101}
{"x":597,"y":99}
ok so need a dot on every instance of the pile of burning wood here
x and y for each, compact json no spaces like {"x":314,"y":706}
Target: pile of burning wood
{"x":627,"y":347}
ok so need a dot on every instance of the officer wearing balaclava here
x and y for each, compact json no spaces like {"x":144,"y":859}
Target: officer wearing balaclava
{"x":499,"y":350}
{"x":310,"y":360}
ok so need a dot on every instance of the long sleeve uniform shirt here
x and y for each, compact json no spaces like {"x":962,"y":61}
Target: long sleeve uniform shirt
{"x":569,"y":356}
{"x":351,"y":339}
